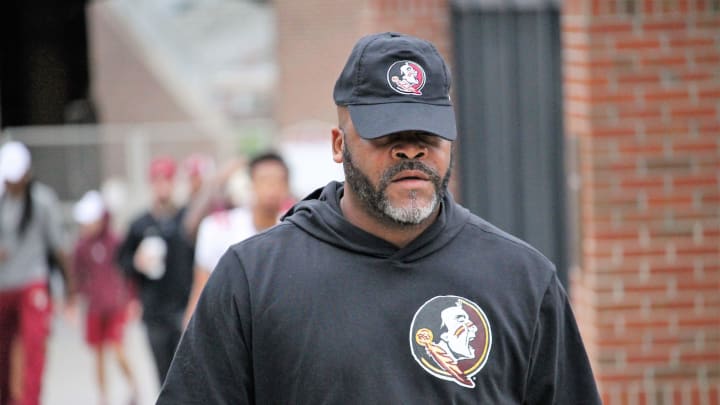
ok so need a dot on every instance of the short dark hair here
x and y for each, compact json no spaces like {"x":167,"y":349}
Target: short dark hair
{"x":267,"y":157}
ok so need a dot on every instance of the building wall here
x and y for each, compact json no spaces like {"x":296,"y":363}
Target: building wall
{"x":125,"y":88}
{"x":642,"y":84}
{"x":315,"y":38}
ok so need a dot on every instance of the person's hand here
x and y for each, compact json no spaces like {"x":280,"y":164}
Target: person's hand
{"x":142,"y":261}
{"x":230,"y":167}
{"x":134,"y":310}
{"x":149,"y":258}
{"x":3,"y":255}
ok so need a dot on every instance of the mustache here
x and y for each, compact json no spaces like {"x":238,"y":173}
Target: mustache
{"x":410,"y":165}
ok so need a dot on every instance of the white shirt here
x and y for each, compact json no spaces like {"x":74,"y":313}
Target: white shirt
{"x":219,"y":231}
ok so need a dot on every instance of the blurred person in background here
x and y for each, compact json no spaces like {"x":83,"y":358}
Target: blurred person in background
{"x":208,"y":194}
{"x":198,"y":168}
{"x":269,"y":198}
{"x":158,"y":254}
{"x":199,"y":171}
{"x":106,"y":289}
{"x":30,"y":233}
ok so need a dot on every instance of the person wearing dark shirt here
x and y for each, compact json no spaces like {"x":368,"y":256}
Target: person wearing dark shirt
{"x":382,"y":289}
{"x":157,"y":253}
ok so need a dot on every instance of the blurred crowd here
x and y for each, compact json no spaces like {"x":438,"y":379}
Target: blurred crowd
{"x":154,"y":270}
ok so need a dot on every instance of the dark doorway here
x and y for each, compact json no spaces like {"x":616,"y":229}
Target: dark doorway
{"x":508,"y":89}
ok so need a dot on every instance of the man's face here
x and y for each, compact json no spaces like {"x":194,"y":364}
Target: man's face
{"x":460,"y":331}
{"x":17,"y":187}
{"x":410,"y":75}
{"x":91,"y":229}
{"x":14,"y":188}
{"x":399,"y":178}
{"x":270,"y":185}
{"x":162,"y":188}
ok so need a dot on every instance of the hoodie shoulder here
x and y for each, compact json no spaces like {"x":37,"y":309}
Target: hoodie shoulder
{"x":276,"y":234}
{"x":519,"y":246}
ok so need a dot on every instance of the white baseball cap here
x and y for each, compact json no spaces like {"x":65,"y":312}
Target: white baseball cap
{"x":14,"y":161}
{"x":90,"y":208}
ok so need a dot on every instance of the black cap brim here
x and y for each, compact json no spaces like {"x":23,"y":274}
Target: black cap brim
{"x":376,"y":120}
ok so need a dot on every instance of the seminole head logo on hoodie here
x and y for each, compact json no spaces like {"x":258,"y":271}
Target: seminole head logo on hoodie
{"x":450,"y":338}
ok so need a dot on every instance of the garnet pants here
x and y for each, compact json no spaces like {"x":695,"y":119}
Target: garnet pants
{"x":25,"y":315}
{"x":105,"y":327}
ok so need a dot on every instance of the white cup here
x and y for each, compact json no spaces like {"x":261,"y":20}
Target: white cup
{"x":155,"y":249}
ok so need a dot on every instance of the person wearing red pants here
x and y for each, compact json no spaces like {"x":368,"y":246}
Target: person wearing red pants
{"x":30,"y":232}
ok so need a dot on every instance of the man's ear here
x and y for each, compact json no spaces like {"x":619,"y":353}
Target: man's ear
{"x":338,"y":143}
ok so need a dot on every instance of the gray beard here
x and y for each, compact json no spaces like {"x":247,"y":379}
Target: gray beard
{"x":376,"y":202}
{"x":412,"y":215}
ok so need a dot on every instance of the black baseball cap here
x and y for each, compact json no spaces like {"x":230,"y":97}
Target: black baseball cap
{"x":394,"y":82}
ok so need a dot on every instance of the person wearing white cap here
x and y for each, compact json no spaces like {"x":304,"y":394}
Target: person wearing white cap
{"x":14,"y":162}
{"x":107,"y":291}
{"x":30,"y":232}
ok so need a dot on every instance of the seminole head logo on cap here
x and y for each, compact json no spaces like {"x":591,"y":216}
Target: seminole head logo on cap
{"x":406,"y":77}
{"x":450,"y":338}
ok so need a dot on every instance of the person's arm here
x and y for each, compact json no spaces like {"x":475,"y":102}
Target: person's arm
{"x":128,"y":248}
{"x":79,"y":268}
{"x":201,"y":205}
{"x":57,"y":246}
{"x":213,"y":364}
{"x":64,"y":261}
{"x":207,"y":254}
{"x":200,"y":278}
{"x":559,"y":370}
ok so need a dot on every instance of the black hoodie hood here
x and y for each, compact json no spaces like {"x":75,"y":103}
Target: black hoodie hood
{"x":319,"y":215}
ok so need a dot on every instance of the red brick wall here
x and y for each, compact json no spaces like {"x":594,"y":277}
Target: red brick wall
{"x":642,"y":84}
{"x":315,"y":38}
{"x":428,"y":19}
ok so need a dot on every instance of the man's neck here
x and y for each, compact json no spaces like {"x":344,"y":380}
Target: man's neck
{"x":163,"y":209}
{"x":263,"y":219}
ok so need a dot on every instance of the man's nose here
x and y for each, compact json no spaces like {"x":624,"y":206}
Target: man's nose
{"x":409,"y":150}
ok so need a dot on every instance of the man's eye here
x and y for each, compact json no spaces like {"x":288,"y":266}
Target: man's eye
{"x":428,"y":138}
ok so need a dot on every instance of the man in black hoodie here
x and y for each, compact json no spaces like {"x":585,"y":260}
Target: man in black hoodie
{"x":381,"y":289}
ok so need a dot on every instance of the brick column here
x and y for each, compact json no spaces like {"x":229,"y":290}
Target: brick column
{"x":642,"y":83}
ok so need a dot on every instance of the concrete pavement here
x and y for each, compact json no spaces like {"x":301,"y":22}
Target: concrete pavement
{"x":70,"y":368}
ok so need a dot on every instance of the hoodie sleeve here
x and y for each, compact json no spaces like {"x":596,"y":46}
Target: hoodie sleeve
{"x":559,"y":370}
{"x":212,"y":364}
